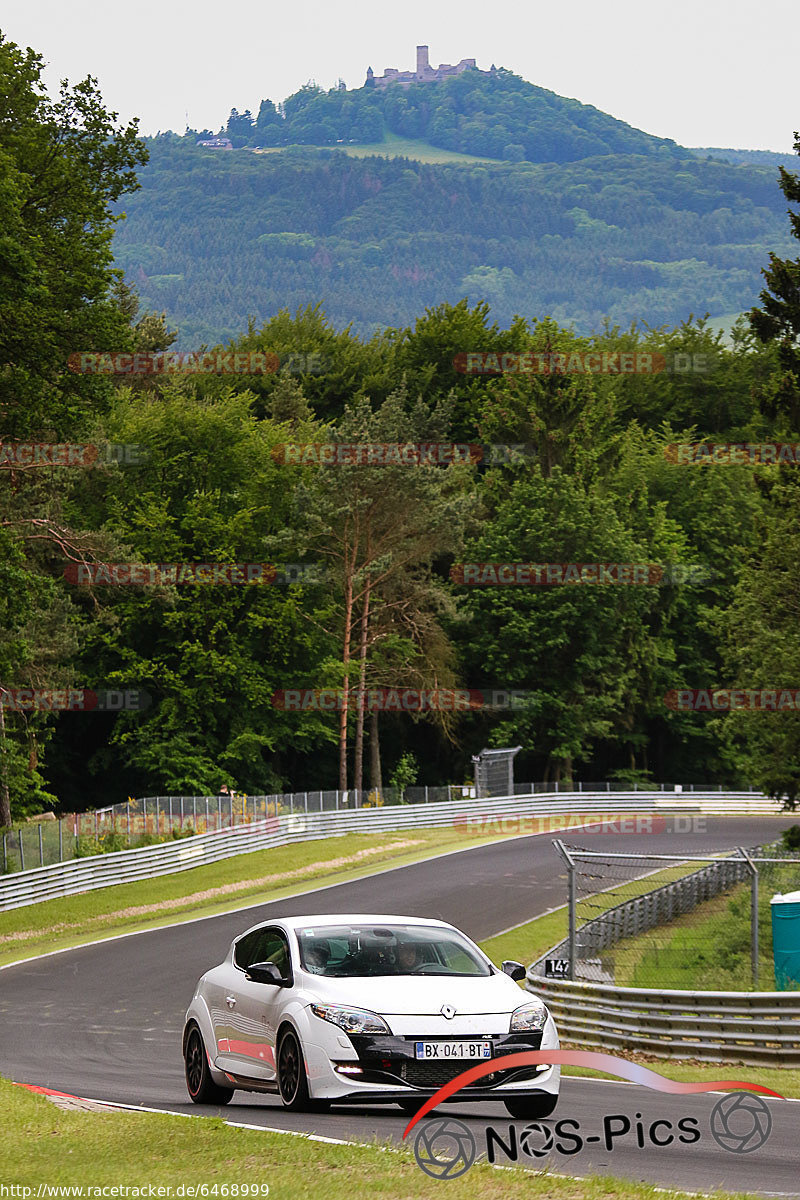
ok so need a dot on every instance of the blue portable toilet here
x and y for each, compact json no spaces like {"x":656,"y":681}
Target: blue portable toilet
{"x":786,"y":940}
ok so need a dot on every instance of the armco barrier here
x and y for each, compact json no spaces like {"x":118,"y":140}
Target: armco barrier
{"x":521,"y":814}
{"x":758,"y":1028}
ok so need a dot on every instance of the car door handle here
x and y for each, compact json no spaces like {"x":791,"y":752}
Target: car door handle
{"x":230,"y":1001}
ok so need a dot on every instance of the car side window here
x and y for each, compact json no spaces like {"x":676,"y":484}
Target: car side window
{"x":263,"y":945}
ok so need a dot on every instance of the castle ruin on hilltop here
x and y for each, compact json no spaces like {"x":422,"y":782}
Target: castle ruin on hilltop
{"x":424,"y":73}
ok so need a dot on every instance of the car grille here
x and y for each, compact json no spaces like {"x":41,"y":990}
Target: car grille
{"x":435,"y":1074}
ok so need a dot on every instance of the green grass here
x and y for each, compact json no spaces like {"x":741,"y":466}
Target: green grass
{"x":394,"y":146}
{"x":785,"y":1080}
{"x":247,"y":878}
{"x":529,"y":941}
{"x":43,"y":1144}
{"x":708,"y":947}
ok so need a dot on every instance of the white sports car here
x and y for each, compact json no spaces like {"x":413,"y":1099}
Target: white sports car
{"x":364,"y":1009}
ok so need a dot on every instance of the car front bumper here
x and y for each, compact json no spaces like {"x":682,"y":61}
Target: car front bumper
{"x":385,"y":1068}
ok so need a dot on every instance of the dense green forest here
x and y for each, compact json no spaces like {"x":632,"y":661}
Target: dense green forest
{"x":216,"y":237}
{"x":496,"y":113}
{"x":211,"y":482}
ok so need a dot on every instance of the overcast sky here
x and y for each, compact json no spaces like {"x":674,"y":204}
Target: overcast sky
{"x":704,"y":72}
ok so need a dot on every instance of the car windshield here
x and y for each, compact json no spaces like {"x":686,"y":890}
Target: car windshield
{"x":347,"y":951}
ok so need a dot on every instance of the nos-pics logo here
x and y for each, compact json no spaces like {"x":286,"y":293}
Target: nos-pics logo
{"x":445,"y":1148}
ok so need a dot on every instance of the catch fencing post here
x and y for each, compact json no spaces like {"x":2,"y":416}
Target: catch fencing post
{"x":5,"y":853}
{"x":753,"y":869}
{"x":41,"y":847}
{"x":565,"y":854}
{"x":21,"y":851}
{"x":60,"y":841}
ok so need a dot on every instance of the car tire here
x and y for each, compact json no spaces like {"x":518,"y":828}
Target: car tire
{"x":292,"y":1078}
{"x":532,"y":1108}
{"x":199,"y":1084}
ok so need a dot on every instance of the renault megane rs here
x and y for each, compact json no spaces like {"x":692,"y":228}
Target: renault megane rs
{"x":330,"y":1009}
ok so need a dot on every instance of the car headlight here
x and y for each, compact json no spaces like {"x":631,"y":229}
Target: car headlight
{"x":351,"y":1020}
{"x":528,"y":1016}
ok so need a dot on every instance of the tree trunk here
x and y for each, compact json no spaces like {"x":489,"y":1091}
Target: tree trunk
{"x":5,"y":800}
{"x":375,"y":780}
{"x":348,"y":617}
{"x":358,"y":764}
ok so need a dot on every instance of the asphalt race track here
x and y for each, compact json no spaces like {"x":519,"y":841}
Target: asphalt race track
{"x":105,"y":1021}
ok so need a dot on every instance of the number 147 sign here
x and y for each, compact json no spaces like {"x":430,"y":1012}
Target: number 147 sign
{"x":556,"y":968}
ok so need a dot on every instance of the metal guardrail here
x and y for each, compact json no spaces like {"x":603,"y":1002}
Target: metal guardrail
{"x":44,"y":840}
{"x":758,"y":1028}
{"x":520,"y":814}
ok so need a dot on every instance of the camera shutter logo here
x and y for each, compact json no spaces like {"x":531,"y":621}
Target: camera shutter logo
{"x":535,"y":1131}
{"x":741,"y":1123}
{"x":444,"y":1148}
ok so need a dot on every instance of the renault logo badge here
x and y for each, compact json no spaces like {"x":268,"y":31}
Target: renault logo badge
{"x":447,"y":1011}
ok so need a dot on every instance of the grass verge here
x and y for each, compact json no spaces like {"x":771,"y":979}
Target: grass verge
{"x":708,"y":947}
{"x":44,"y":1144}
{"x":255,"y":878}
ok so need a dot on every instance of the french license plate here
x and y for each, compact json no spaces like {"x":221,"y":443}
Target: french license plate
{"x":438,"y":1050}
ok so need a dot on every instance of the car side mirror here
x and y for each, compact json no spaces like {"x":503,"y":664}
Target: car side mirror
{"x":514,"y":969}
{"x":265,"y":972}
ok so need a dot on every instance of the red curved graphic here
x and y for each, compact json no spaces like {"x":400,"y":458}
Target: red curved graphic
{"x":582,"y":1058}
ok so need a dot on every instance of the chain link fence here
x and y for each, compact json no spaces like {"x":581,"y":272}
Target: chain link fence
{"x":655,"y":921}
{"x":149,"y":819}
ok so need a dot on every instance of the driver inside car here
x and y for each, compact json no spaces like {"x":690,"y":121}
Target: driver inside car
{"x":317,"y":956}
{"x":407,"y":957}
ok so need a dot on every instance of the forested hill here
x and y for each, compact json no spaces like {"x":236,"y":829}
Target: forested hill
{"x":214,"y":236}
{"x":495,"y":114}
